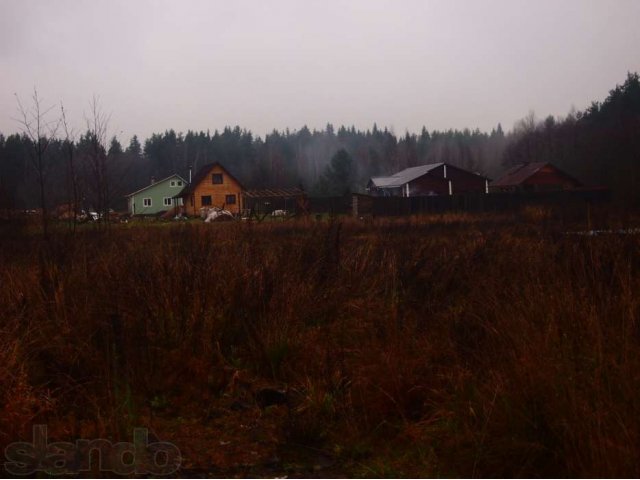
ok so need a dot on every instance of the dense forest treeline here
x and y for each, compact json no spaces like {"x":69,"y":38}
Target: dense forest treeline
{"x":600,"y":146}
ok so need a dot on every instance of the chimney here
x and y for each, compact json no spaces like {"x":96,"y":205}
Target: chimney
{"x":190,"y":169}
{"x":153,"y":180}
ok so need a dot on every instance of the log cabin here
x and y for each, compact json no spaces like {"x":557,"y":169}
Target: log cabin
{"x":212,"y":186}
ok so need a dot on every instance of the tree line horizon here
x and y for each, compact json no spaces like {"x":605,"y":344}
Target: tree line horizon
{"x":599,"y":145}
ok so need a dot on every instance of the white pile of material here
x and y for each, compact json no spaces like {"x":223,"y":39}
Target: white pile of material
{"x":216,"y":214}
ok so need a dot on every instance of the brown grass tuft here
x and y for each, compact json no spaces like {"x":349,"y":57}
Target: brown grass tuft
{"x":459,"y":345}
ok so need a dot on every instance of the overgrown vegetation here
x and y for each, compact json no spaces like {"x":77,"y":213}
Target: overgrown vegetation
{"x":449,"y":346}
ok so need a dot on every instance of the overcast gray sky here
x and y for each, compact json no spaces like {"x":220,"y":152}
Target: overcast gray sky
{"x":262,"y":65}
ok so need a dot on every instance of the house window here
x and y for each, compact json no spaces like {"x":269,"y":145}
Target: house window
{"x":167,"y":201}
{"x":230,"y":199}
{"x":216,"y":178}
{"x":172,"y":183}
{"x":179,"y":183}
{"x":206,"y":200}
{"x":176,"y":183}
{"x":146,"y":202}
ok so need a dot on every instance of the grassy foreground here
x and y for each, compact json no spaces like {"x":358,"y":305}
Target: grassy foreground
{"x":444,"y":346}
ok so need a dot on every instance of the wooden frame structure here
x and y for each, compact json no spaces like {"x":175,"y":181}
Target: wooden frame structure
{"x":287,"y":202}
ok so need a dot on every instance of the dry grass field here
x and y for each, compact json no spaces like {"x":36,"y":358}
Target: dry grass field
{"x":449,"y":345}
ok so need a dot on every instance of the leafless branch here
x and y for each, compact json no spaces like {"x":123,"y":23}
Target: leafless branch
{"x":41,"y":132}
{"x":69,"y":134}
{"x":97,"y":127}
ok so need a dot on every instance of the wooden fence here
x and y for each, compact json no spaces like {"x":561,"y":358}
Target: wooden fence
{"x":365,"y":205}
{"x":332,"y":205}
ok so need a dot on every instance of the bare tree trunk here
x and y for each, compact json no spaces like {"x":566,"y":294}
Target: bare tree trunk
{"x":40,"y":132}
{"x":97,"y":126}
{"x":73,"y":203}
{"x":41,"y":185}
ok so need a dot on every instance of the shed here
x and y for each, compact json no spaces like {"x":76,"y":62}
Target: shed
{"x":534,"y":177}
{"x":270,"y":200}
{"x":425,"y":180}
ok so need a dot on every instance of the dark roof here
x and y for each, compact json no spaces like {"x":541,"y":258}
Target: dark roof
{"x":520,"y":173}
{"x":274,"y":192}
{"x":202,"y":173}
{"x":156,"y":183}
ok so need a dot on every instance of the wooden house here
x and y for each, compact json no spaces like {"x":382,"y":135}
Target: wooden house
{"x":157,"y":197}
{"x":212,"y":186}
{"x":425,"y":180}
{"x":534,"y":177}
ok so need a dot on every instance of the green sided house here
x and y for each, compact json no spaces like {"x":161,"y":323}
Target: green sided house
{"x":157,"y":197}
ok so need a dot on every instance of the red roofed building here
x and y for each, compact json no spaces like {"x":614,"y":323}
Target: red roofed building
{"x":534,"y":177}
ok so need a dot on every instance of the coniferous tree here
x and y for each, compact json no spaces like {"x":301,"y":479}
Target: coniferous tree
{"x":339,"y":177}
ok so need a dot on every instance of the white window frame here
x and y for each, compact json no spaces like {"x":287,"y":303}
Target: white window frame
{"x":175,"y":183}
{"x":144,"y":202}
{"x":164,"y":201}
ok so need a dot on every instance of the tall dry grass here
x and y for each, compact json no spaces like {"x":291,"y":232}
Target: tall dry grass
{"x":446,"y":346}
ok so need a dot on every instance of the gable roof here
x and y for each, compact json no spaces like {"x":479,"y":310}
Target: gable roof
{"x":201,"y":175}
{"x":520,"y":173}
{"x":404,"y":176}
{"x":155,"y":184}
